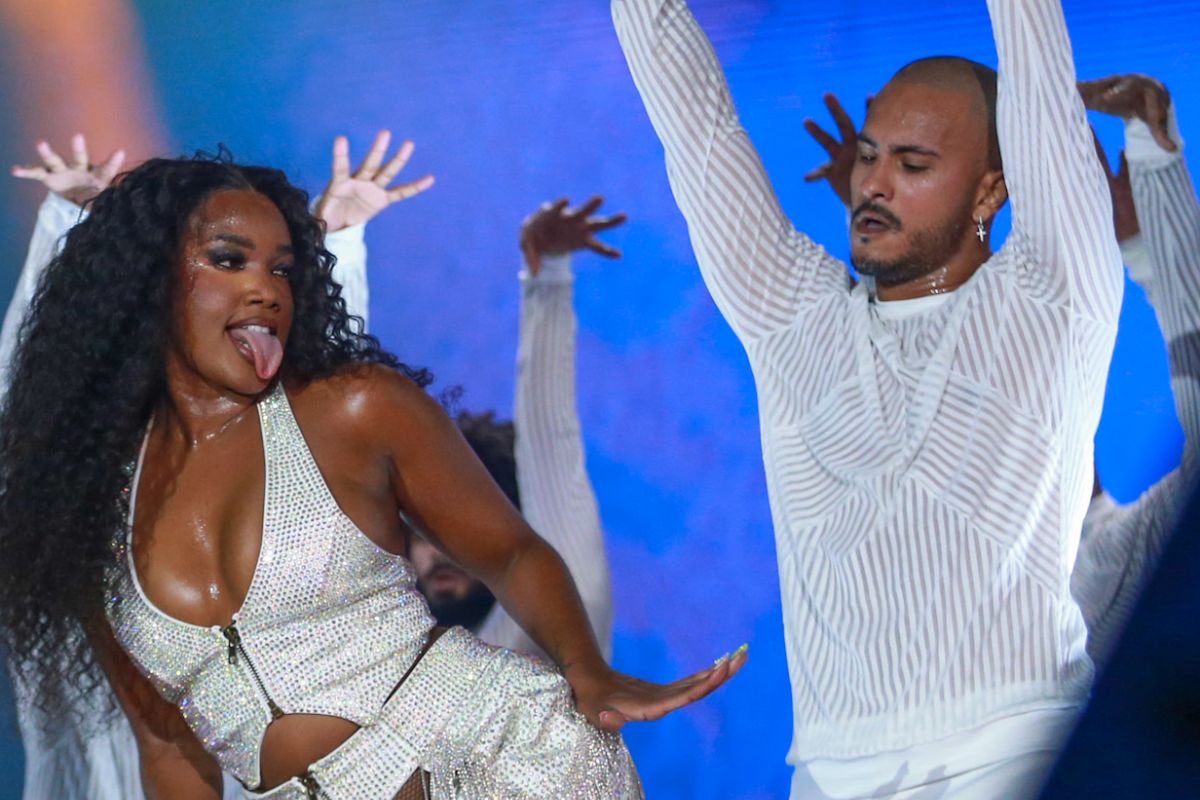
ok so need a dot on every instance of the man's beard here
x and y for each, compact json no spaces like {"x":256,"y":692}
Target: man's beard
{"x":928,"y":250}
{"x":468,"y":611}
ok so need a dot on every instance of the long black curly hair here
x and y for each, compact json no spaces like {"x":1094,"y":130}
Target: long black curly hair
{"x":88,"y":370}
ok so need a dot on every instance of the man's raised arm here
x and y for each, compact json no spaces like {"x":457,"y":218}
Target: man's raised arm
{"x":1121,"y":545}
{"x":556,"y":494}
{"x":759,"y":269}
{"x":1062,"y":214}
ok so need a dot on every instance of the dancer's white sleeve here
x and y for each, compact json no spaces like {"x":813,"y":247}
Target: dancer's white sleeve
{"x":556,"y":494}
{"x":760,"y":270}
{"x":1061,"y":207}
{"x":349,"y":246}
{"x":1121,"y":545}
{"x":55,"y":217}
{"x":93,"y":754}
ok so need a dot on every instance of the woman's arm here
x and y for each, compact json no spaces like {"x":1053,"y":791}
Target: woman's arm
{"x":174,"y":764}
{"x":438,"y":481}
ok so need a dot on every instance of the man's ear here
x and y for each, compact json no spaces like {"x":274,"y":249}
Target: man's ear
{"x":992,"y":194}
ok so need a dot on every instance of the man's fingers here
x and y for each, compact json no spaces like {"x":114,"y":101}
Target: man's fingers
{"x":341,"y":158}
{"x":533,"y":256}
{"x":79,"y":152}
{"x":820,"y":172}
{"x":845,"y":125}
{"x":1092,"y":91}
{"x":407,"y":190}
{"x":597,"y":246}
{"x":1156,"y":117}
{"x":589,"y":208}
{"x":823,"y":138}
{"x":51,"y":159}
{"x":607,"y":223}
{"x":1101,"y":154}
{"x":370,"y":164}
{"x":397,"y":162}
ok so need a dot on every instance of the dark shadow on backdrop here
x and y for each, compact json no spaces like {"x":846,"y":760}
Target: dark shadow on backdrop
{"x":1140,"y":737}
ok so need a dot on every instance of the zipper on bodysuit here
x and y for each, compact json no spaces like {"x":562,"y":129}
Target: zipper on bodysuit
{"x":235,"y":649}
{"x":312,"y":789}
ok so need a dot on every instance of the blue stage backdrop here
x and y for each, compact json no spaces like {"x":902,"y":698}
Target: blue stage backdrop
{"x":512,"y":102}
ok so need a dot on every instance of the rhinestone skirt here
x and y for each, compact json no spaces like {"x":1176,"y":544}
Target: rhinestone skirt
{"x":486,"y":724}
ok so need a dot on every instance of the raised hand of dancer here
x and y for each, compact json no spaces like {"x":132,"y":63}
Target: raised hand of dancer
{"x":1125,"y":219}
{"x":841,"y":153}
{"x":355,"y":198}
{"x":610,"y":699}
{"x":78,"y":180}
{"x":1129,"y":96}
{"x":554,"y":229}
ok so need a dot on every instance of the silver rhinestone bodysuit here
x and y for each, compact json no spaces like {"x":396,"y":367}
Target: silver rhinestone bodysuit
{"x":330,"y":624}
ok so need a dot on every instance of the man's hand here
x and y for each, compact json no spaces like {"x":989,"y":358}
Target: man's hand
{"x":841,"y":154}
{"x":355,"y":199}
{"x":1129,"y":96}
{"x":609,"y":699}
{"x":1125,"y":219}
{"x":78,"y":181}
{"x":554,"y":229}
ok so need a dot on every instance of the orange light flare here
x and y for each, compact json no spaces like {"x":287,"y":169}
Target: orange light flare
{"x":79,"y":66}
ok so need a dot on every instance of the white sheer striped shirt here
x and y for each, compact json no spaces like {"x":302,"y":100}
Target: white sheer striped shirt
{"x":556,"y":494}
{"x":1120,"y":544}
{"x":927,"y":475}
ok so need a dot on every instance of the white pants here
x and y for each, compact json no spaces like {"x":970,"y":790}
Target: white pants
{"x":1007,"y":758}
{"x":1015,"y":779}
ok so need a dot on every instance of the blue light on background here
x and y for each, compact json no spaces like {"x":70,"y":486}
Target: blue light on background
{"x":513,"y":102}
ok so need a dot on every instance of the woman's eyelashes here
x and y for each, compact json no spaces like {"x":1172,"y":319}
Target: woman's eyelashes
{"x":234,"y":260}
{"x":226,"y":259}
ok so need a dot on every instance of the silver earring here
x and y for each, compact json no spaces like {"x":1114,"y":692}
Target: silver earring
{"x":979,"y":229}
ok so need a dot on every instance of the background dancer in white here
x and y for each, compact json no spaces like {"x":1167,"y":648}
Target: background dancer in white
{"x":93,"y":756}
{"x":550,"y":485}
{"x":1121,"y":544}
{"x":927,"y":439}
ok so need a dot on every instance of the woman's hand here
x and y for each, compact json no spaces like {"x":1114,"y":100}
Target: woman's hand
{"x":354,"y":199}
{"x":78,"y":181}
{"x":610,"y":699}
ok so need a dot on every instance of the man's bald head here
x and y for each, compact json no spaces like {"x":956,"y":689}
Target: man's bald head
{"x":928,"y":180}
{"x":951,"y":73}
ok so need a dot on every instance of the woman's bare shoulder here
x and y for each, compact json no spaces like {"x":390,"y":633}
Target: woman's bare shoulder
{"x":365,"y":400}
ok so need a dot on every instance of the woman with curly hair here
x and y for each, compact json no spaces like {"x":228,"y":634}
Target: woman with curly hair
{"x":204,"y":462}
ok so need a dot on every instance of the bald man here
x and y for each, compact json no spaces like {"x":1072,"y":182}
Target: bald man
{"x":927,"y":433}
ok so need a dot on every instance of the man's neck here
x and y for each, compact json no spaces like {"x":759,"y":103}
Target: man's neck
{"x":942,"y":280}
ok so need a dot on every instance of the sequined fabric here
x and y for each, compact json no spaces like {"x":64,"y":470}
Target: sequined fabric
{"x":486,"y":724}
{"x":330,"y":624}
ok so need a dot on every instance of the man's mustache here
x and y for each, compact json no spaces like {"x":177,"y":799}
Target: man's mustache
{"x":877,"y":211}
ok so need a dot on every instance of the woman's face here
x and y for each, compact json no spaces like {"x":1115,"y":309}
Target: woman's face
{"x":233,"y":301}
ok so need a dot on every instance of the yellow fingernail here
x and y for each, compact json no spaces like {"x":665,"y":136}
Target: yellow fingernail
{"x":721,"y":660}
{"x":745,"y":648}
